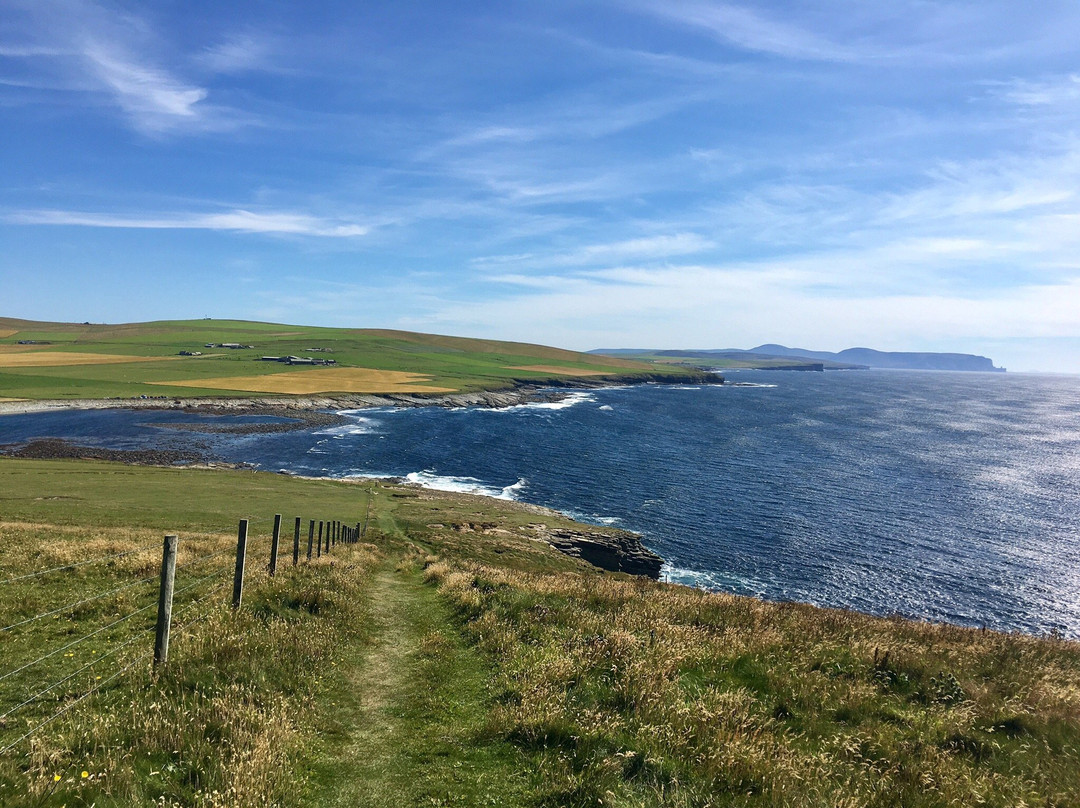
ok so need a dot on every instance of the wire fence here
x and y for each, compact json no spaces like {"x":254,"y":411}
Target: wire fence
{"x":120,"y":634}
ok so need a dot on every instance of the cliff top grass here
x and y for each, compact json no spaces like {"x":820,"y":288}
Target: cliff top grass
{"x":454,"y":658}
{"x":41,"y":360}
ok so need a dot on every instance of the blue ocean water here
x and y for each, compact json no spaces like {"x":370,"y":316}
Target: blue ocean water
{"x":945,"y":496}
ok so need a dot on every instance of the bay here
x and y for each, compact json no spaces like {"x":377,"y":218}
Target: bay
{"x":950,"y":497}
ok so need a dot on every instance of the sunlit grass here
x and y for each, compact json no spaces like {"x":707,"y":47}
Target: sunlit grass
{"x":222,"y":724}
{"x":635,"y":693}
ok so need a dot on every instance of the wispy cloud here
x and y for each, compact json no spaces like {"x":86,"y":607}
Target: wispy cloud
{"x":153,"y":99}
{"x":238,"y":54}
{"x":1057,"y":91}
{"x":907,"y":33}
{"x":241,"y":221}
{"x":88,"y":48}
{"x":746,"y":28}
{"x":632,"y":250}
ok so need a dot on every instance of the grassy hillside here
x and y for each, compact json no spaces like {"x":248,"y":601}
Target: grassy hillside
{"x":67,"y":360}
{"x":454,"y":659}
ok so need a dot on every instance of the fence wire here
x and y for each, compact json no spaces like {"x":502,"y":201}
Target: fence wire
{"x":69,"y":606}
{"x":77,"y":701}
{"x":113,"y":624}
{"x":138,"y":637}
{"x":78,"y":564}
{"x":183,"y":630}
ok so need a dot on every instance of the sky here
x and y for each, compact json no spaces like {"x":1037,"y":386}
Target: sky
{"x":601,"y":174}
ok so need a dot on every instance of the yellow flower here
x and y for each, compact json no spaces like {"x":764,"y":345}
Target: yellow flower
{"x":56,"y":778}
{"x":85,"y":774}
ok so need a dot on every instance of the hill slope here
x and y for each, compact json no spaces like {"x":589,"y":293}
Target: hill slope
{"x":40,"y":360}
{"x":453,"y":658}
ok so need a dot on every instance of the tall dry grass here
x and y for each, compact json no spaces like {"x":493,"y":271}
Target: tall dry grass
{"x":636,"y":693}
{"x":224,"y":723}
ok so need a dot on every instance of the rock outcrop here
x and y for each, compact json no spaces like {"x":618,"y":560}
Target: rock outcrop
{"x":619,"y":552}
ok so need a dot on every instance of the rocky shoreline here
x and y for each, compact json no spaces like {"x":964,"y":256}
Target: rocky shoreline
{"x":56,"y":449}
{"x":292,"y":406}
{"x":617,"y":552}
{"x":620,"y":552}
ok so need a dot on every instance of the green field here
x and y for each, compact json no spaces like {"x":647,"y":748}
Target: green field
{"x":45,"y":370}
{"x":453,"y":659}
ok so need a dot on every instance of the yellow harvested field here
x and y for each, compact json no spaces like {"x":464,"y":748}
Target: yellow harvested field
{"x":7,"y":332}
{"x":322,"y":380}
{"x":12,"y":399}
{"x":562,"y":371}
{"x":51,"y":359}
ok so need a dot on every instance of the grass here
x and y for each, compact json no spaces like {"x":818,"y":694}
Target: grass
{"x":221,"y":725}
{"x":456,"y":660}
{"x":636,"y":693}
{"x":449,"y":363}
{"x":410,"y":716}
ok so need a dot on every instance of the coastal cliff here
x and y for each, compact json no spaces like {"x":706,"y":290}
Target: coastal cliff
{"x":622,"y":552}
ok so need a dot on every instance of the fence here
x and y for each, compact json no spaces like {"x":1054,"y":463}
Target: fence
{"x":37,"y":691}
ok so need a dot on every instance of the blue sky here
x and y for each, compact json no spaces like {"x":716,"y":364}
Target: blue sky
{"x":660,"y":173}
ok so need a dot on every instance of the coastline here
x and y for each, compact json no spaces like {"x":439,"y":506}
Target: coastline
{"x":611,"y":549}
{"x":523,"y":392}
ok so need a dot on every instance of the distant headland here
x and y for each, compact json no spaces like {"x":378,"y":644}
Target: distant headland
{"x":779,"y":357}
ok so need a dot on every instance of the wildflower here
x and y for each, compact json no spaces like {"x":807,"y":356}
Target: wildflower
{"x":56,"y":778}
{"x":85,"y":774}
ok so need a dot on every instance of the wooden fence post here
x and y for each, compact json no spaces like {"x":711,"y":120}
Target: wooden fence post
{"x":318,"y":553}
{"x":367,"y":511}
{"x":241,"y":554}
{"x":327,"y":537}
{"x":274,"y":543}
{"x":165,"y":597}
{"x":296,"y":543}
{"x":356,"y":534}
{"x":310,"y":537}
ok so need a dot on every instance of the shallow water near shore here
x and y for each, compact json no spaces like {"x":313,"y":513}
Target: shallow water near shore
{"x":944,"y":496}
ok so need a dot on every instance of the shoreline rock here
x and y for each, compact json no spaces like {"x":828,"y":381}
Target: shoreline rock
{"x":57,"y":449}
{"x":524,"y":392}
{"x":620,"y":552}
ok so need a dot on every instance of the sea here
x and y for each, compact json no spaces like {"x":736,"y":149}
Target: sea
{"x":947,"y":497}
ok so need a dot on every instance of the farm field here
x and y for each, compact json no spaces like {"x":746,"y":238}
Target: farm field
{"x":72,"y":361}
{"x":452,"y":658}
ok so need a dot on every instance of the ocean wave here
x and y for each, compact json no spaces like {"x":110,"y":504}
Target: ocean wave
{"x":369,"y":475}
{"x":465,"y":485}
{"x":592,"y":518}
{"x":710,"y":581}
{"x":359,"y":426}
{"x":572,"y":400}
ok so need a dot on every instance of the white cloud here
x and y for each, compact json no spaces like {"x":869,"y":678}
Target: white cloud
{"x":238,"y":54}
{"x":153,"y":99}
{"x":241,"y":221}
{"x":637,"y":249}
{"x":737,"y":307}
{"x":89,"y":49}
{"x":749,"y":29}
{"x":1058,"y":91}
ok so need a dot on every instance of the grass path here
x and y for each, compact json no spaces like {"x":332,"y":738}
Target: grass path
{"x":407,"y":713}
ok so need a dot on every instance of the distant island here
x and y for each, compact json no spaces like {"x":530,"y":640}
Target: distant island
{"x":779,"y":357}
